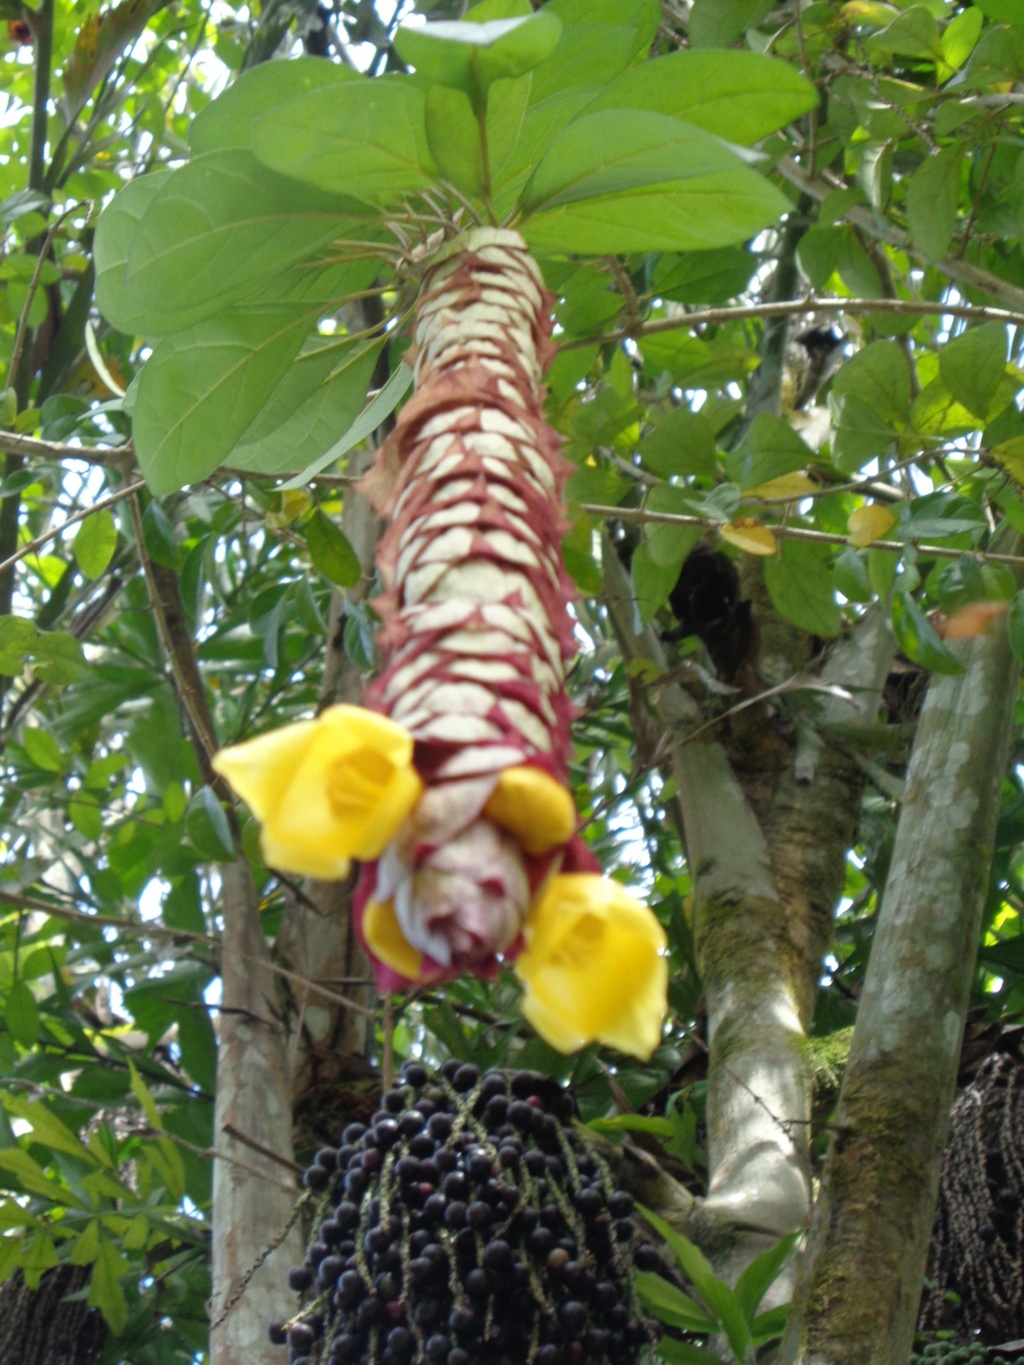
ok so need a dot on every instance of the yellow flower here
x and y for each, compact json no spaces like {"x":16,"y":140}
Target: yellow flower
{"x":534,"y":807}
{"x":325,"y":790}
{"x":387,"y":943}
{"x":594,"y":967}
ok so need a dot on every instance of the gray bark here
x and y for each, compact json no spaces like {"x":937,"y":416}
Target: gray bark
{"x":253,"y":1195}
{"x":857,"y":1291}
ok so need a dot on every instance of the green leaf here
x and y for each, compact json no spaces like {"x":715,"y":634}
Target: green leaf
{"x":145,"y":1099}
{"x":376,"y":411}
{"x":578,"y":555}
{"x":652,"y":581}
{"x":738,"y":96}
{"x":317,"y":398}
{"x":973,"y":368}
{"x":879,"y":375}
{"x":772,"y":448}
{"x":115,"y":235}
{"x":207,"y":827}
{"x":769,"y":1325}
{"x":667,"y":542}
{"x":684,"y":1353}
{"x":362,"y":137}
{"x":58,"y":658}
{"x":761,"y":1274}
{"x":86,"y":1247}
{"x":800,"y":587}
{"x":453,"y":133}
{"x":105,"y":1292}
{"x":227,"y":121}
{"x":933,"y":196}
{"x":471,"y":56}
{"x":21,"y":1014}
{"x":1015,"y":626}
{"x":632,"y":1123}
{"x":850,"y":576}
{"x":158,"y":537}
{"x":32,"y":1178}
{"x":42,"y":749}
{"x":670,"y":1305}
{"x":681,"y":443}
{"x":202,"y":388}
{"x":99,"y":43}
{"x":614,"y":182}
{"x":222,"y":227}
{"x":717,"y":1295}
{"x":916,"y":636}
{"x":717,"y":23}
{"x":95,"y":543}
{"x":331,"y":552}
{"x":1002,"y":11}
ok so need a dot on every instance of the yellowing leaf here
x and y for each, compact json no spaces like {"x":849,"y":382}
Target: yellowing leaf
{"x":747,"y":533}
{"x":785,"y":486}
{"x":869,"y":523}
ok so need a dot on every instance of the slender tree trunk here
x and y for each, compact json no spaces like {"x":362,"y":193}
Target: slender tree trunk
{"x":857,"y":1292}
{"x":762,"y":908}
{"x":253,"y":1195}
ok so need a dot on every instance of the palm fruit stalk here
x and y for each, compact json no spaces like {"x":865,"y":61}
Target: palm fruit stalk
{"x":469,"y":1222}
{"x":451,"y":785}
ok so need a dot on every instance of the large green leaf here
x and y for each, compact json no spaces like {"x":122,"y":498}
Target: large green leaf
{"x":115,"y":233}
{"x":637,"y":181}
{"x":318,"y":398}
{"x":933,"y":197}
{"x":472,"y":56}
{"x":739,"y":96}
{"x":365,"y":138}
{"x":453,"y":132}
{"x":221,"y":225}
{"x":600,"y":38}
{"x":973,"y":368}
{"x":800,"y":587}
{"x":772,"y":448}
{"x":227,"y":121}
{"x":202,"y":388}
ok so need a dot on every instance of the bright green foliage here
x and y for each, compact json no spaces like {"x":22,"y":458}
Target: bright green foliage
{"x":247,"y":284}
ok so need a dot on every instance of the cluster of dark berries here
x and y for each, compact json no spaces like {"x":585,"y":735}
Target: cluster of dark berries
{"x":468,"y":1224}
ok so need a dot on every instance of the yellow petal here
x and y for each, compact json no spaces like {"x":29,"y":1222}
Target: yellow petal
{"x":869,"y":523}
{"x":385,"y":940}
{"x":534,"y":807}
{"x":326,"y":790}
{"x":260,"y":769}
{"x":789,"y":486}
{"x":302,"y":861}
{"x":594,"y":967}
{"x":746,"y":533}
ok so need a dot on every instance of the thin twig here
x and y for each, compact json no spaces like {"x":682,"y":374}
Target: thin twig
{"x":792,"y":307}
{"x":32,"y":546}
{"x":641,"y":514}
{"x":17,"y":901}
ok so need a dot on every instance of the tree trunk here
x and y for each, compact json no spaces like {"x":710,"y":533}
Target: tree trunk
{"x":253,"y":1195}
{"x":41,"y":1327}
{"x":857,"y":1292}
{"x":767,"y":868}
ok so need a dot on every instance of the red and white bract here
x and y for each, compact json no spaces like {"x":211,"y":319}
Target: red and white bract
{"x":476,"y":631}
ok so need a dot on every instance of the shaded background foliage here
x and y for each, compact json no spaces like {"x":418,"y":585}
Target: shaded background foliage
{"x":906,"y":200}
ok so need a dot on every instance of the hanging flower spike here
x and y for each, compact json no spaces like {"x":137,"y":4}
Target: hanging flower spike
{"x":594,"y":967}
{"x":326,"y":790}
{"x":475,"y":620}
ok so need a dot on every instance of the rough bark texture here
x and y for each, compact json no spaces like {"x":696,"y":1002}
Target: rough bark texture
{"x":41,"y":1327}
{"x":857,"y":1292}
{"x":253,"y":1195}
